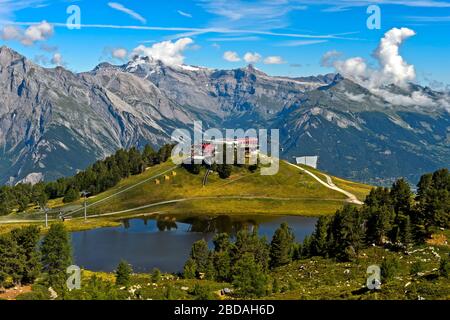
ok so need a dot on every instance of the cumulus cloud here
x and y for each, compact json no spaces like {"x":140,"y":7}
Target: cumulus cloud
{"x":274,"y":60}
{"x":11,"y":33}
{"x":329,"y":57}
{"x":57,"y":59}
{"x":252,"y":57}
{"x":393,"y":69}
{"x":36,"y":32}
{"x":170,"y":53}
{"x":131,"y":13}
{"x":119,"y":53}
{"x":231,"y":56}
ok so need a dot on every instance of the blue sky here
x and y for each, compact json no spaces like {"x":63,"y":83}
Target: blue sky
{"x":286,"y":37}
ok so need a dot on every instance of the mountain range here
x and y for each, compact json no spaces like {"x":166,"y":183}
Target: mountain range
{"x":54,"y":122}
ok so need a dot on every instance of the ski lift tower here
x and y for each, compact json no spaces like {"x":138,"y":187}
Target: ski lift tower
{"x":85,"y":194}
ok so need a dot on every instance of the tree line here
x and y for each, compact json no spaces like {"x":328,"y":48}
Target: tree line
{"x":24,"y":258}
{"x":395,"y":218}
{"x":97,"y":178}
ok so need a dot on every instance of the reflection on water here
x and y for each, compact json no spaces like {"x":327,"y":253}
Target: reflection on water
{"x":164,"y":242}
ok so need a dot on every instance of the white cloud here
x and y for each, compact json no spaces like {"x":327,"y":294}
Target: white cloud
{"x":252,"y":57}
{"x":170,"y":53}
{"x":231,"y":56}
{"x":184,"y":14}
{"x":36,"y":32}
{"x":393,"y":69}
{"x":274,"y":60}
{"x":329,"y":57}
{"x":11,"y":33}
{"x":131,"y":13}
{"x":356,"y":97}
{"x":392,"y":63}
{"x":354,"y":68}
{"x":119,"y":53}
{"x":57,"y":59}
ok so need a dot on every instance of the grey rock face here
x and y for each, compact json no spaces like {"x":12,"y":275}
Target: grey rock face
{"x":54,"y":122}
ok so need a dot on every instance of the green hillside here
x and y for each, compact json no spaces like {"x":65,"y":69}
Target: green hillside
{"x":291,"y":191}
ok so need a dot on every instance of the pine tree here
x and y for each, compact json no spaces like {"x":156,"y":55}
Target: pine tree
{"x":281,"y":246}
{"x":123,"y":274}
{"x":148,"y":155}
{"x":10,"y":263}
{"x":401,"y":196}
{"x":406,"y":235}
{"x":379,"y":223}
{"x":71,"y":195}
{"x":56,"y":254}
{"x":222,"y":265}
{"x":249,"y":279}
{"x":156,"y":275}
{"x":190,"y":269}
{"x":27,"y":239}
{"x":319,"y":238}
{"x":200,"y":256}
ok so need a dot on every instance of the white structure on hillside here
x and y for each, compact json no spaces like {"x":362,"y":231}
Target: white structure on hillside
{"x":310,"y":161}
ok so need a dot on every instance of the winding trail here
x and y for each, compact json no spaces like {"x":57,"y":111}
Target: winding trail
{"x":351,"y":198}
{"x":329,"y":184}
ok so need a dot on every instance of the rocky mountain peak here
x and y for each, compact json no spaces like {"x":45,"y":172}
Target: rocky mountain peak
{"x":7,"y":56}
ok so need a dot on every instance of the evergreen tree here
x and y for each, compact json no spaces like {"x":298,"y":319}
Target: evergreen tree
{"x":10,"y":263}
{"x":148,"y":155}
{"x":379,"y":223}
{"x":156,"y":275}
{"x":221,"y":242}
{"x":200,"y":256}
{"x":406,"y":235}
{"x":123,"y":274}
{"x":306,"y":247}
{"x":250,"y":242}
{"x":348,"y":232}
{"x":190,"y":269}
{"x":71,"y":195}
{"x":281,"y":246}
{"x":249,"y":279}
{"x":401,"y":196}
{"x":27,"y":239}
{"x":319,"y":240}
{"x":222,"y":265}
{"x":56,"y":254}
{"x":137,"y":164}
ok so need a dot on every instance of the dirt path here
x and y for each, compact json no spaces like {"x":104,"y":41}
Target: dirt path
{"x":11,"y":294}
{"x":329,"y":184}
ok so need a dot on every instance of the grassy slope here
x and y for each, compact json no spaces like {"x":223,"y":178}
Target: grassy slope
{"x":288,"y":192}
{"x":318,"y":279}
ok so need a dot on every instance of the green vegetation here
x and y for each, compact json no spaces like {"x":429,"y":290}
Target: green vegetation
{"x":123,"y":274}
{"x":102,"y":175}
{"x":56,"y":255}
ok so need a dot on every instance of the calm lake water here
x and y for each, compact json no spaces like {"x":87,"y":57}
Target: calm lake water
{"x":165,"y":242}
